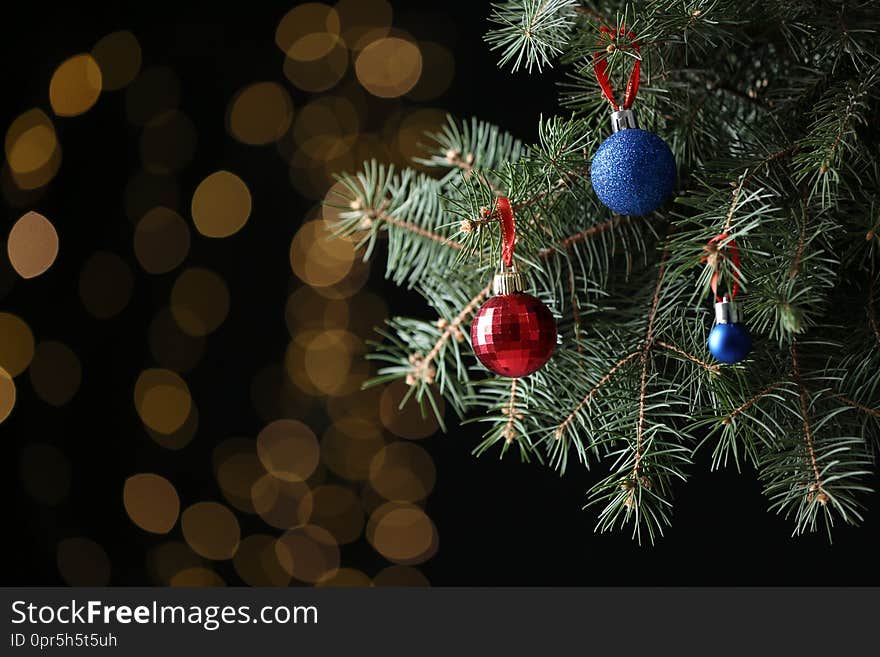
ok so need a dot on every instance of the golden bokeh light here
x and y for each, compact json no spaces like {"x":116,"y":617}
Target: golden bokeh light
{"x":33,"y":153}
{"x":105,"y":284}
{"x":326,"y":127}
{"x":402,"y":533}
{"x":197,"y":577}
{"x":221,"y":205}
{"x":438,"y":63}
{"x":118,"y":55}
{"x":260,"y":113}
{"x":199,"y":301}
{"x":169,"y":558}
{"x":308,"y":553}
{"x":389,"y":67}
{"x":16,"y":344}
{"x":288,"y":450}
{"x":82,"y":562}
{"x":172,"y":348}
{"x":257,"y":563}
{"x":322,"y":363}
{"x":411,"y":421}
{"x":7,"y":395}
{"x":237,"y":470}
{"x":179,"y":438}
{"x":45,"y":473}
{"x":345,"y":578}
{"x":75,"y":86}
{"x":161,"y":240}
{"x":403,"y":472}
{"x":32,"y":245}
{"x":400,"y":576}
{"x":282,"y":504}
{"x":145,"y":191}
{"x":307,"y":310}
{"x":151,"y":502}
{"x":318,"y":259}
{"x":348,"y":447}
{"x":162,"y":400}
{"x":411,"y":139}
{"x":338,"y":510}
{"x":168,"y":142}
{"x":363,"y":21}
{"x":298,"y":28}
{"x":211,"y":530}
{"x":155,"y":91}
{"x":55,"y":372}
{"x":322,"y":73}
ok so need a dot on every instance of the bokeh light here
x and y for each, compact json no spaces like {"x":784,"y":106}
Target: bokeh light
{"x":221,"y":205}
{"x":151,"y":502}
{"x":400,"y":576}
{"x":198,"y":576}
{"x":317,"y":259}
{"x":338,"y":510}
{"x":282,"y":504}
{"x":348,"y":447}
{"x":363,"y":21}
{"x":257,"y":563}
{"x":412,"y":421}
{"x":308,"y":553}
{"x":199,"y":301}
{"x":260,"y":113}
{"x":402,"y":533}
{"x":82,"y":562}
{"x":345,"y":578}
{"x":32,"y":245}
{"x":169,"y":558}
{"x":16,"y":344}
{"x":33,"y":153}
{"x":55,"y":372}
{"x":181,"y":437}
{"x":162,"y":400}
{"x":7,"y":394}
{"x":402,"y":472}
{"x":389,"y":67}
{"x":161,"y":240}
{"x":105,"y":284}
{"x":75,"y":85}
{"x":237,"y":469}
{"x":288,"y":449}
{"x":211,"y":530}
{"x":118,"y":55}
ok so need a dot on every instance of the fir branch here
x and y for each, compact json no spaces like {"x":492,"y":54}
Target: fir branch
{"x":749,"y":403}
{"x":819,"y":494}
{"x":709,"y":367}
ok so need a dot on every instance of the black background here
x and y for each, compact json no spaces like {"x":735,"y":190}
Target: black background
{"x":500,"y":522}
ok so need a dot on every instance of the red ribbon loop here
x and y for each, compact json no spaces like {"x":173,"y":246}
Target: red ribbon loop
{"x":508,"y":229}
{"x":734,"y":258}
{"x":600,"y":66}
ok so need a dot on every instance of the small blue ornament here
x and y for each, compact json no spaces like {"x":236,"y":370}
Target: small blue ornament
{"x":633,"y":172}
{"x":729,"y":341}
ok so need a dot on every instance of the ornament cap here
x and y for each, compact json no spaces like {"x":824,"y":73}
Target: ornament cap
{"x":726,"y":312}
{"x":623,"y":119}
{"x":508,"y":282}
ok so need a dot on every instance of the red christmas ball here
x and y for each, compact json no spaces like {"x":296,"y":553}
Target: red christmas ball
{"x":514,"y":334}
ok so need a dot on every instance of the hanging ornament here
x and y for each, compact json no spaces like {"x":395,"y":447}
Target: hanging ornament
{"x":633,"y":171}
{"x":729,"y":340}
{"x":513,"y":333}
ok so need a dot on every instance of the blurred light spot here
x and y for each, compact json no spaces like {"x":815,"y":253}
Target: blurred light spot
{"x":288,"y":450}
{"x":119,"y":57}
{"x":439,"y":65}
{"x":402,"y":533}
{"x":345,"y":578}
{"x":321,"y":74}
{"x":181,"y":437}
{"x":199,"y":301}
{"x":306,"y":309}
{"x":162,"y":400}
{"x":32,"y":245}
{"x":338,"y":510}
{"x":145,"y":191}
{"x":221,"y":205}
{"x":403,"y":472}
{"x":155,"y":91}
{"x":105,"y":284}
{"x":82,"y":562}
{"x":411,"y":421}
{"x":367,"y":312}
{"x":161,"y":240}
{"x":400,"y":576}
{"x":171,"y":347}
{"x":16,"y":344}
{"x":323,"y":363}
{"x":169,"y":558}
{"x":237,"y":470}
{"x":348,"y":447}
{"x":326,"y":127}
{"x":211,"y":530}
{"x":260,"y":113}
{"x":363,"y":404}
{"x":75,"y":85}
{"x":308,"y":553}
{"x":412,"y":140}
{"x":197,"y":577}
{"x":45,"y":473}
{"x":257,"y":564}
{"x":7,"y":394}
{"x":282,"y":504}
{"x":317,"y":258}
{"x":55,"y":372}
{"x":151,"y":502}
{"x":168,"y":142}
{"x":32,"y":150}
{"x":302,"y":23}
{"x":389,"y":67}
{"x":364,"y":20}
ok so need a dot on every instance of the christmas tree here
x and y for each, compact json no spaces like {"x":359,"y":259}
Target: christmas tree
{"x":769,"y":109}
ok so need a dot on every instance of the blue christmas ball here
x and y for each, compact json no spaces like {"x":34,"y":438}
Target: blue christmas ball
{"x":633,"y":172}
{"x":730,"y":343}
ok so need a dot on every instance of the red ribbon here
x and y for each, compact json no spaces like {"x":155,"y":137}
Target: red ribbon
{"x":734,"y":258}
{"x":508,"y":229}
{"x":600,"y":66}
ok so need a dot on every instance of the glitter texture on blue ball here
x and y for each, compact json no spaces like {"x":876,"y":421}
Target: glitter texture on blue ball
{"x":730,"y":343}
{"x":633,"y":172}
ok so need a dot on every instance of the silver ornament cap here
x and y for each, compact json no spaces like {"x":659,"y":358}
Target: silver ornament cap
{"x":623,"y":120}
{"x":508,"y":281}
{"x":726,"y":311}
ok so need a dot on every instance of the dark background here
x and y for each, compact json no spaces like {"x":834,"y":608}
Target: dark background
{"x":500,"y":522}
